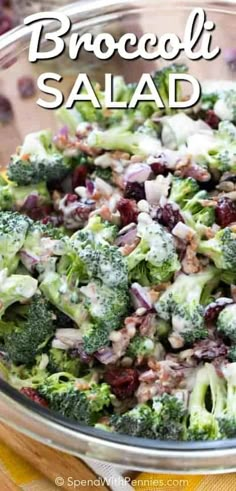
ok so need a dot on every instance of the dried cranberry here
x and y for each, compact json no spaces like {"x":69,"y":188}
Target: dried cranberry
{"x":214,"y":308}
{"x":168,"y":216}
{"x":55,"y":220}
{"x":5,"y":23}
{"x":79,"y":176}
{"x":212,"y":119}
{"x":128,"y":211}
{"x":38,"y":213}
{"x":160,"y":165}
{"x":134,"y":190}
{"x":123,"y":381}
{"x":225,"y":212}
{"x":26,"y":87}
{"x":34,"y":396}
{"x":6,"y":111}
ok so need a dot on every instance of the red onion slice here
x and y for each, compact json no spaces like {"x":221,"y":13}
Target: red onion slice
{"x":106,"y":356}
{"x":140,"y":297}
{"x":138,"y":173}
{"x":127,"y":235}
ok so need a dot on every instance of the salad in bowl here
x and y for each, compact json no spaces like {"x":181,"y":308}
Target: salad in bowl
{"x":118,"y":266}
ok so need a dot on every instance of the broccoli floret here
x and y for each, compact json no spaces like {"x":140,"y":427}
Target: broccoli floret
{"x":225,"y":105}
{"x":196,"y":214}
{"x":42,"y":244}
{"x":61,"y":361}
{"x":13,"y":229}
{"x":161,"y":80}
{"x":86,"y":406}
{"x":140,"y":346}
{"x":181,"y":304}
{"x":208,"y":100}
{"x":183,"y":189}
{"x":15,"y":288}
{"x":13,"y":197}
{"x":136,"y":422}
{"x":38,"y":160}
{"x":168,"y":417}
{"x":227,"y":421}
{"x":163,"y":420}
{"x":122,"y":138}
{"x":226,"y":322}
{"x":21,"y":376}
{"x":88,"y":255}
{"x":107,"y":308}
{"x":64,"y":296}
{"x":221,"y":249}
{"x":154,"y":260}
{"x":207,"y":403}
{"x":221,"y":153}
{"x":32,"y":326}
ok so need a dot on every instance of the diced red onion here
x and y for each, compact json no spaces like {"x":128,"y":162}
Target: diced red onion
{"x":64,"y":131}
{"x":69,"y":337}
{"x":56,"y":343}
{"x":137,"y":173}
{"x":154,"y":190}
{"x":90,"y":187}
{"x":140,"y":297}
{"x":28,"y":260}
{"x":106,"y":356}
{"x":127,"y":235}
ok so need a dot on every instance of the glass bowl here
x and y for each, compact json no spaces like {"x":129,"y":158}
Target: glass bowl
{"x":116,"y":17}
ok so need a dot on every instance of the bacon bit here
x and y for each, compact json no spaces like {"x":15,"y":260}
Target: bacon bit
{"x":148,"y":326}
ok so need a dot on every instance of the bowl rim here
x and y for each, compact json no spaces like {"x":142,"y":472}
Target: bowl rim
{"x":34,"y":420}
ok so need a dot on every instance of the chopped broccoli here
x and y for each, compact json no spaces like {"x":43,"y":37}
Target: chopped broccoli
{"x":121,"y":138}
{"x":181,"y":303}
{"x":88,"y":255}
{"x":154,"y":260}
{"x":226,"y":322}
{"x":107,"y":308}
{"x":164,"y":420}
{"x":232,"y":354}
{"x":42,"y":242}
{"x":183,"y":189}
{"x":65,"y":297}
{"x":21,"y":376}
{"x":32,"y":326}
{"x":13,"y":197}
{"x":220,"y":149}
{"x":13,"y":229}
{"x":38,"y":160}
{"x":61,"y":361}
{"x":161,"y":80}
{"x":140,"y":346}
{"x":64,"y":396}
{"x":105,"y":174}
{"x":221,"y":249}
{"x":225,"y":105}
{"x":136,"y":422}
{"x":227,"y":420}
{"x":15,"y":288}
{"x":207,"y":403}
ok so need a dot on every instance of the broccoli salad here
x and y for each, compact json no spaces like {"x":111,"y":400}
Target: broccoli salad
{"x":118,"y":266}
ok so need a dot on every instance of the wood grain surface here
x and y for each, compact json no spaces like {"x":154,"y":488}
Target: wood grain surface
{"x":51,"y":463}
